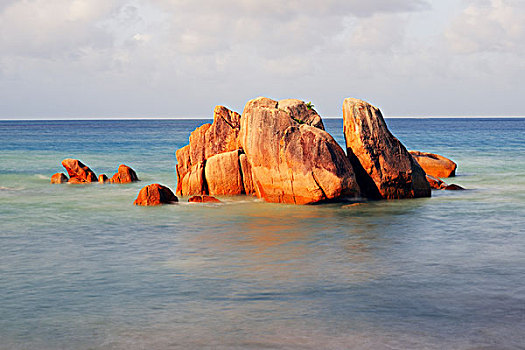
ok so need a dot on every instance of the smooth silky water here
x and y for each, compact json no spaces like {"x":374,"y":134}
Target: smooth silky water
{"x":82,"y":268}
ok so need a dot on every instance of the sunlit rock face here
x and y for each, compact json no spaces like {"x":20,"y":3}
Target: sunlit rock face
{"x":155,"y":194}
{"x":293,"y":160}
{"x":434,"y":164}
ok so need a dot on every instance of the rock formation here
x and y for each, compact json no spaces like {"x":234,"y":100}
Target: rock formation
{"x":78,"y":172}
{"x":383,"y":167}
{"x":124,"y":175}
{"x":434,"y":164}
{"x":155,"y":194}
{"x":59,"y":178}
{"x":203,"y":199}
{"x":280,"y":153}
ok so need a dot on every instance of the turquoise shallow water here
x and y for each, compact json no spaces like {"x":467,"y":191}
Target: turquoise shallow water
{"x":82,"y":268}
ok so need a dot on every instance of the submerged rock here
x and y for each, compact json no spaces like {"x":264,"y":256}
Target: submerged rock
{"x":292,"y":159}
{"x":59,"y":178}
{"x":454,"y":187}
{"x":124,"y":175}
{"x":435,"y":164}
{"x":383,"y":166}
{"x":203,"y":199}
{"x":78,"y":172}
{"x":155,"y":194}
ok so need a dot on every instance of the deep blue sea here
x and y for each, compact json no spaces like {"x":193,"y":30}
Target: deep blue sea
{"x":82,"y":268}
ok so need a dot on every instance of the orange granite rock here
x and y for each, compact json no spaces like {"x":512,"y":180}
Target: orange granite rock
{"x":124,"y":175}
{"x":193,"y":182}
{"x":435,"y":164}
{"x":384,"y":168}
{"x":102,"y":178}
{"x":206,"y":141}
{"x":59,"y":178}
{"x":292,"y":159}
{"x":435,"y":183}
{"x":203,"y":199}
{"x":155,"y":194}
{"x":78,"y":172}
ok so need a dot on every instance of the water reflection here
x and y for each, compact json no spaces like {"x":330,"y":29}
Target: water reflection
{"x":327,"y":245}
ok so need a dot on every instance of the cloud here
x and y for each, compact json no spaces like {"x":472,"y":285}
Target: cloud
{"x":180,"y":57}
{"x":52,"y":27}
{"x":489,"y":26}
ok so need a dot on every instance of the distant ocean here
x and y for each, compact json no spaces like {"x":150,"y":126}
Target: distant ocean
{"x":82,"y":268}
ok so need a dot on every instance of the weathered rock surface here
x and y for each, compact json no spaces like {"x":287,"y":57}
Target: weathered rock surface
{"x":383,"y":166}
{"x":102,"y":178}
{"x":155,"y":194}
{"x":78,"y":172}
{"x":203,"y":199}
{"x":223,"y":174}
{"x":59,"y":178}
{"x":435,"y":164}
{"x":293,"y":160}
{"x":124,"y":175}
{"x":193,"y":182}
{"x":206,"y":141}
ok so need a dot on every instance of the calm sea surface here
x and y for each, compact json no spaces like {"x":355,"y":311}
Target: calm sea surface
{"x":82,"y":268}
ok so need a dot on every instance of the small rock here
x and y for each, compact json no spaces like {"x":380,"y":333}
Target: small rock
{"x":203,"y":199}
{"x":78,"y":172}
{"x":102,"y":178}
{"x":454,"y":187}
{"x":435,"y":164}
{"x":436,"y":183}
{"x":59,"y":178}
{"x":76,"y":181}
{"x":155,"y":194}
{"x":124,"y":175}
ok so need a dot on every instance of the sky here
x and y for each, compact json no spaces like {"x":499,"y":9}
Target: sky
{"x":180,"y":58}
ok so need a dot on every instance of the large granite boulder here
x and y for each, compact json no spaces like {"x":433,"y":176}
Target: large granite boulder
{"x":155,"y":194}
{"x":383,"y":166}
{"x":206,"y":141}
{"x":78,"y":172}
{"x":292,"y":159}
{"x":59,"y":178}
{"x":435,"y":164}
{"x":124,"y":175}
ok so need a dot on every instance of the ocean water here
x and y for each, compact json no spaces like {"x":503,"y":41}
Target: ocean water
{"x":82,"y":268}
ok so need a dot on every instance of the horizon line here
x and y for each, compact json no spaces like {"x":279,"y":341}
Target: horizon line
{"x":208,"y":118}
